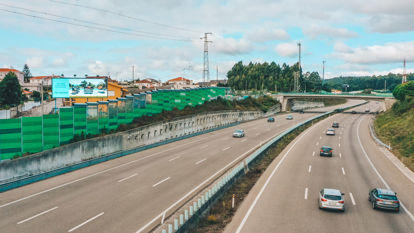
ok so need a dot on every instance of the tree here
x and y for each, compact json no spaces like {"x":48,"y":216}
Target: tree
{"x":26,"y":73}
{"x":10,"y":90}
{"x":36,"y":96}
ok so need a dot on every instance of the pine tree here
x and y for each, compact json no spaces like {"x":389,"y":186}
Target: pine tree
{"x":10,"y":90}
{"x":26,"y":73}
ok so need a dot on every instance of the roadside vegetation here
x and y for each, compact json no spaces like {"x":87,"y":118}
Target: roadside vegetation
{"x":396,"y":126}
{"x":263,"y":103}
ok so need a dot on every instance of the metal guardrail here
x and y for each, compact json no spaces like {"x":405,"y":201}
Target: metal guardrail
{"x":333,"y":94}
{"x":374,"y":136}
{"x":181,"y":221}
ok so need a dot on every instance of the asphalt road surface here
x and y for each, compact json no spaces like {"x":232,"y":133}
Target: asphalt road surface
{"x":285,"y":199}
{"x":124,"y":194}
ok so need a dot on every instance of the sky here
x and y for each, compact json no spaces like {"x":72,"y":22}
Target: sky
{"x":161,"y":39}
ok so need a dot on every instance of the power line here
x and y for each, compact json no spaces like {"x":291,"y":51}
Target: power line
{"x":124,"y":15}
{"x":82,"y":21}
{"x":93,"y":27}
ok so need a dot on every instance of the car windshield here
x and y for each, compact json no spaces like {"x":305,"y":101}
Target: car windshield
{"x":388,"y":197}
{"x":326,"y":149}
{"x":333,"y":197}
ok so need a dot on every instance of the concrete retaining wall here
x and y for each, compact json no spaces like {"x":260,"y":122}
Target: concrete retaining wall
{"x":302,"y":105}
{"x":79,"y":152}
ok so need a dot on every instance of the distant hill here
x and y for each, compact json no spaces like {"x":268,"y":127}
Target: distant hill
{"x":366,"y":82}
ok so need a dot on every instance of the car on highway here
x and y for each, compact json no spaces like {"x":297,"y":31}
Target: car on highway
{"x":331,"y":199}
{"x":335,"y":124}
{"x":326,"y":151}
{"x":271,"y":119}
{"x":238,"y":133}
{"x":289,"y":117}
{"x":330,"y":132}
{"x":353,"y":112}
{"x":384,"y":199}
{"x":367,"y":110}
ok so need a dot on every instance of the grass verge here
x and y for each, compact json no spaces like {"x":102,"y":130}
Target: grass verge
{"x":396,"y":126}
{"x":220,"y":213}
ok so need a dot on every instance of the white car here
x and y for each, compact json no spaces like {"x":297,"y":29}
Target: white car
{"x":289,"y":117}
{"x":239,"y":133}
{"x":331,"y":199}
{"x":331,"y":132}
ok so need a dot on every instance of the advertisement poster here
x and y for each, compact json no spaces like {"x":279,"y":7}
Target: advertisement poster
{"x":79,"y":88}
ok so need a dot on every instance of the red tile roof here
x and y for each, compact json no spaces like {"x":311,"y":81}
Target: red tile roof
{"x":9,"y":70}
{"x":178,"y":79}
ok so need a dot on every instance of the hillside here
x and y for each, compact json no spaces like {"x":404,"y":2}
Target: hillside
{"x":396,"y":126}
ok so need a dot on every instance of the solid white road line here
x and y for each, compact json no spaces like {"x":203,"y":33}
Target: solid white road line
{"x":205,"y":146}
{"x":313,"y":154}
{"x":352,"y":198}
{"x":161,"y":181}
{"x":37,"y":215}
{"x":200,"y":161}
{"x":376,"y":171}
{"x":126,"y":178}
{"x":226,"y":148}
{"x":268,"y":180}
{"x":106,"y":170}
{"x":310,"y":168}
{"x":244,"y":140}
{"x":306,"y":193}
{"x":343,"y":171}
{"x":200,"y":185}
{"x":174,"y":158}
{"x":89,"y":220}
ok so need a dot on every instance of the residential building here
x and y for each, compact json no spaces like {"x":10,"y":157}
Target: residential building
{"x":47,"y":80}
{"x":147,"y":83}
{"x":181,"y":83}
{"x":19,"y":74}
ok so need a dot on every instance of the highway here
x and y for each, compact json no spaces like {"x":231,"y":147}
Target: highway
{"x":285,"y":198}
{"x":125,"y":194}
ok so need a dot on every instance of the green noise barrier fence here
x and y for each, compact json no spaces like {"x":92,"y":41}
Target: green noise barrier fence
{"x":34,"y":134}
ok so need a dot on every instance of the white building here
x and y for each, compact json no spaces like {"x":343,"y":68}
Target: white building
{"x":5,"y":71}
{"x":181,"y":83}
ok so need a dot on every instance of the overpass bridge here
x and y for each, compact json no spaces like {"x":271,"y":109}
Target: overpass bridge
{"x":283,"y":98}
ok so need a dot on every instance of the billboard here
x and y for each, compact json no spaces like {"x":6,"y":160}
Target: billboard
{"x":79,"y":88}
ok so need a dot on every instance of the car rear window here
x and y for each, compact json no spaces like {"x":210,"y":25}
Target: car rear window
{"x":333,"y":197}
{"x":326,"y":149}
{"x":388,"y":197}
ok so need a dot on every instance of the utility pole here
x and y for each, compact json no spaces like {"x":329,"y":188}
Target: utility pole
{"x":217,"y":73}
{"x":133,"y":74}
{"x":206,"y":72}
{"x":297,"y":76}
{"x":41,"y":95}
{"x":385,"y":85}
{"x":323,"y":71}
{"x":404,"y":78}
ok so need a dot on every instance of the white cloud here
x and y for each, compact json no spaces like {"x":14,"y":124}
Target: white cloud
{"x":287,"y":49}
{"x":263,"y":35}
{"x":35,"y":62}
{"x":231,"y":46}
{"x":318,"y":31}
{"x":377,"y":54}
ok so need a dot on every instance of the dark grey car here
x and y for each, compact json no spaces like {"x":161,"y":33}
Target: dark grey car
{"x":326,"y":151}
{"x":384,"y":199}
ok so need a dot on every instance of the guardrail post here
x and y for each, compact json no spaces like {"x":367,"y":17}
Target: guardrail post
{"x":191,"y":210}
{"x":199,"y":203}
{"x":186,"y":215}
{"x":202,"y":200}
{"x":181,"y":219}
{"x":164,"y":231}
{"x":175,"y":224}
{"x":246,"y":166}
{"x":170,"y":228}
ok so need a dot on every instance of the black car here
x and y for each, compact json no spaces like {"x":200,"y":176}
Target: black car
{"x":326,"y":151}
{"x":271,"y":119}
{"x":335,"y":124}
{"x":353,"y":112}
{"x":384,"y":199}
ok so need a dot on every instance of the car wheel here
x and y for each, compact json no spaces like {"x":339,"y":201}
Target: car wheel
{"x":373,"y":205}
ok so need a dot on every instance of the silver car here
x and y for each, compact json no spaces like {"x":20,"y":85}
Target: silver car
{"x":330,"y":132}
{"x":331,"y":199}
{"x":289,"y":117}
{"x":239,"y":133}
{"x":384,"y":199}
